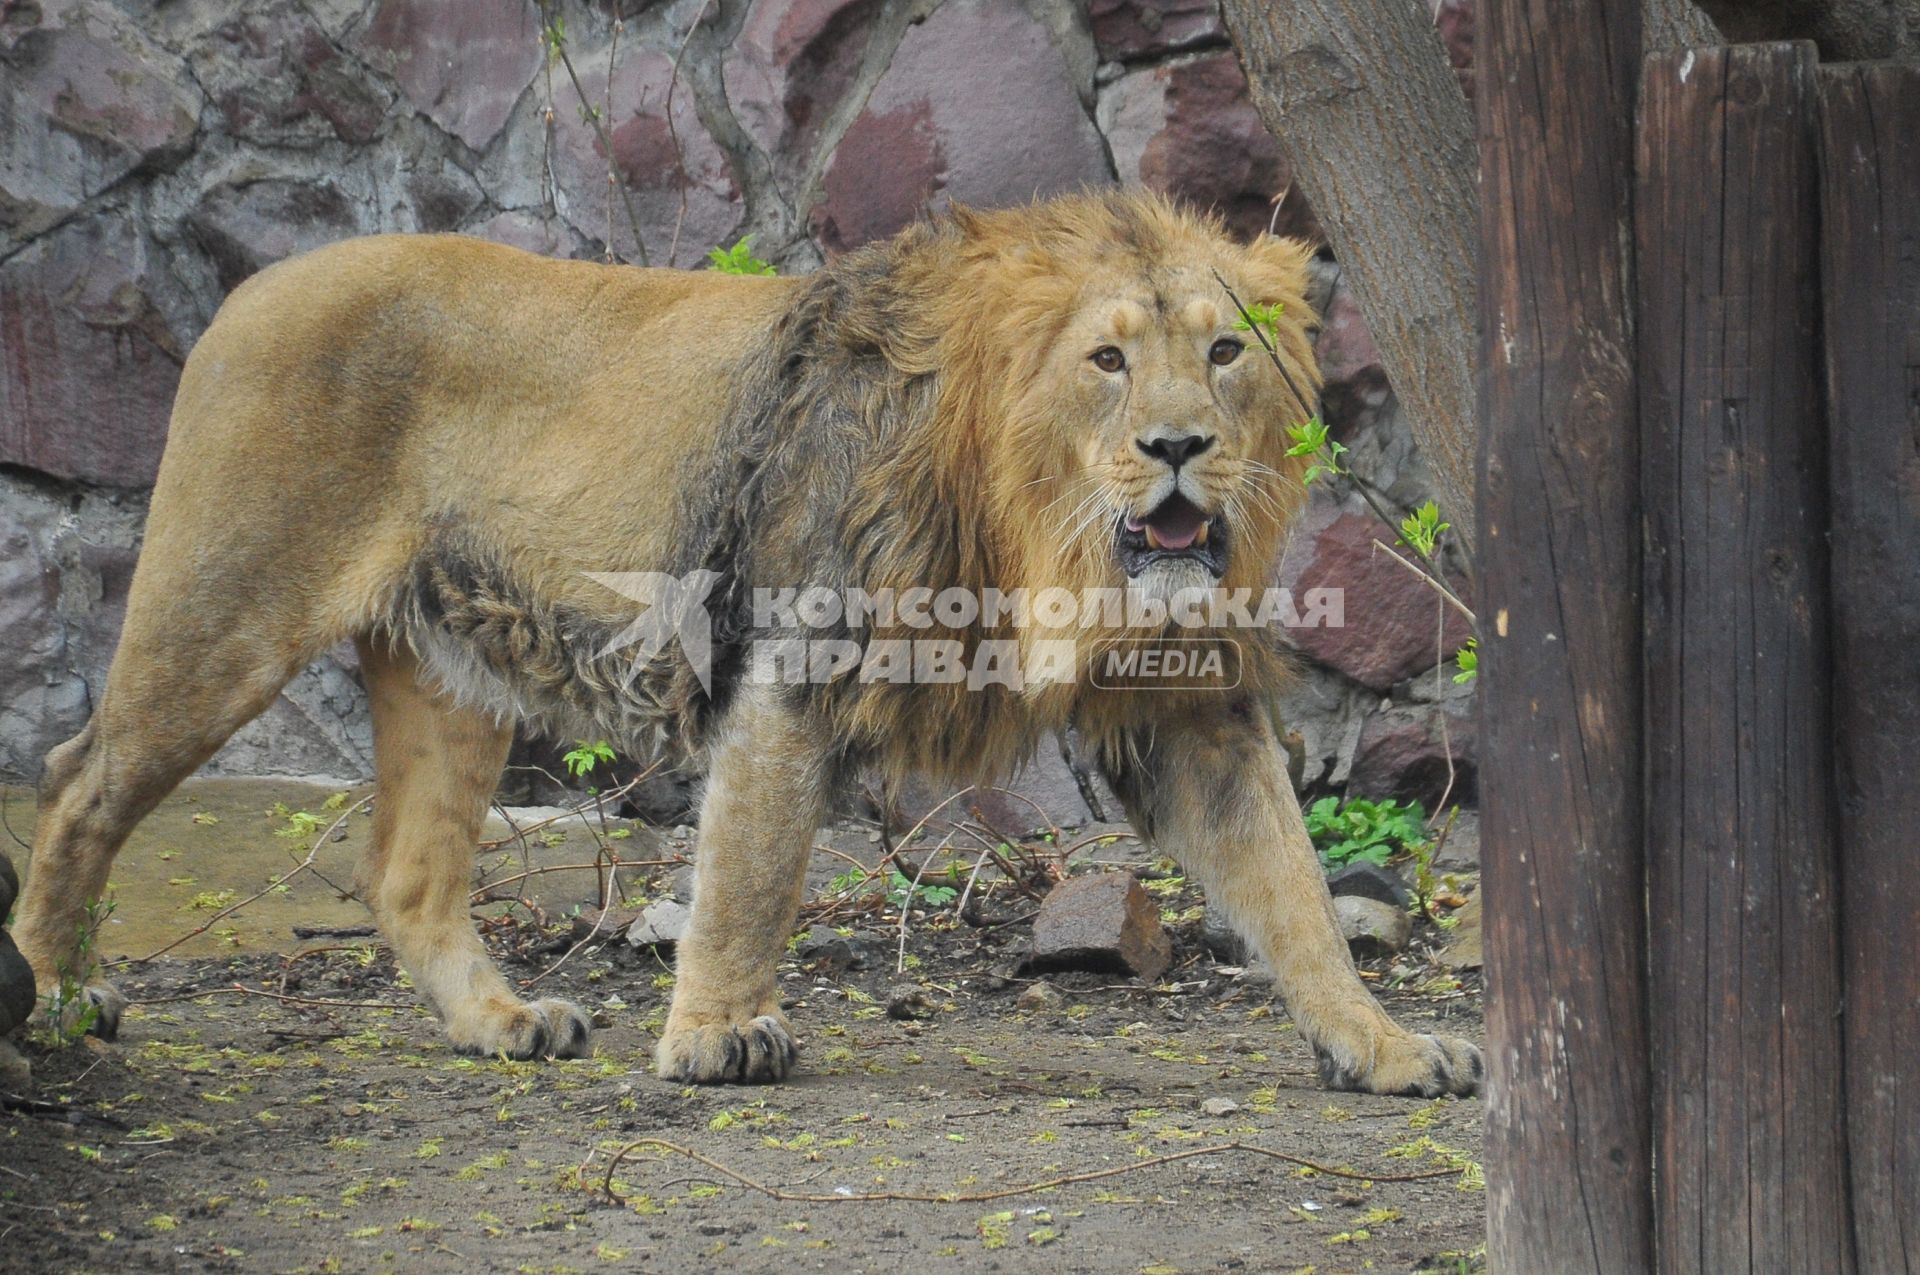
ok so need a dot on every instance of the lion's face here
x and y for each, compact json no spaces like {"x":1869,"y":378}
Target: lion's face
{"x":1168,"y":421}
{"x":1162,"y":385}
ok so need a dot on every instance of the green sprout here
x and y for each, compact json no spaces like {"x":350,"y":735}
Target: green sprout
{"x":584,"y":756}
{"x":1468,"y":660}
{"x":739,"y":259}
{"x":1421,"y":528}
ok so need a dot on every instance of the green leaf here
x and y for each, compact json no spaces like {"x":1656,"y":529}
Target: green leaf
{"x":739,"y":259}
{"x":1467,"y":658}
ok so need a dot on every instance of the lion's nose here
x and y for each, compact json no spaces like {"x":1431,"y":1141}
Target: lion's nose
{"x":1175,"y":449}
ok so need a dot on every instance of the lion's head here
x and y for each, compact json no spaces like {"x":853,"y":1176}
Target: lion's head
{"x":1125,"y":424}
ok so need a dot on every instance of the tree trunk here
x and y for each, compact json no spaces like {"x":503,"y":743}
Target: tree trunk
{"x":1360,"y":94}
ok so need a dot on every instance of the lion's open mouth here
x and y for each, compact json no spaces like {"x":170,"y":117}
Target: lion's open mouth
{"x":1175,"y":528}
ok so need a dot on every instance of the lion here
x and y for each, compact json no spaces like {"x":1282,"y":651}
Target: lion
{"x":443,"y":450}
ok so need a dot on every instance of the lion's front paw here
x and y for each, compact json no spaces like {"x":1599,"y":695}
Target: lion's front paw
{"x":543,"y":1029}
{"x":1408,"y":1066}
{"x":759,"y":1051}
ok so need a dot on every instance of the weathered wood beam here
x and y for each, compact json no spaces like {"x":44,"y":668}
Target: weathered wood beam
{"x":1742,"y":885}
{"x":1870,"y":209}
{"x":1567,"y":1124}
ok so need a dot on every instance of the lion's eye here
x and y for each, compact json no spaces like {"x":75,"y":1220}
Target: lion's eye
{"x":1224,"y":351}
{"x":1109,"y":359}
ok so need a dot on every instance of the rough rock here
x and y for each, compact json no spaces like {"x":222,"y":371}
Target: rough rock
{"x":1187,"y":127}
{"x":82,"y":106}
{"x":1328,"y":712}
{"x":1044,"y":789}
{"x":1039,"y":998}
{"x":1389,"y":619}
{"x":462,"y":66}
{"x":656,"y":174}
{"x":1372,"y":928}
{"x":1454,"y":20}
{"x":90,"y":362}
{"x":975,"y":107}
{"x":789,"y":70}
{"x":16,"y":1075}
{"x":1403,"y":752}
{"x":820,"y":948}
{"x":1101,"y":921}
{"x":1130,"y":30}
{"x":603,"y":924}
{"x":246,"y":227}
{"x":1366,"y":881}
{"x":906,"y":1003}
{"x":277,"y":78}
{"x":660,"y":924}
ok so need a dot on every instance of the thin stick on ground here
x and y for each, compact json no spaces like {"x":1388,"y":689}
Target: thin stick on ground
{"x":257,"y":895}
{"x":981,"y":1197}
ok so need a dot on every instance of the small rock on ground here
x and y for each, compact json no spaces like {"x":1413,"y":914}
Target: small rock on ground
{"x":660,"y":924}
{"x":908,"y":1002}
{"x":1042,"y":997}
{"x":1104,"y":922}
{"x":1372,"y":928}
{"x":602,"y":924}
{"x":1366,"y":881}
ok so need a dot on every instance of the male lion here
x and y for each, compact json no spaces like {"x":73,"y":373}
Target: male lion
{"x":429,"y":443}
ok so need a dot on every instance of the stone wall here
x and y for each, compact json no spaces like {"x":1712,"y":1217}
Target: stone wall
{"x":151,"y":157}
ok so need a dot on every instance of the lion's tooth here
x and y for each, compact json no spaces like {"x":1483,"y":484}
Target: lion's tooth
{"x":1200,"y":537}
{"x":1153,"y":541}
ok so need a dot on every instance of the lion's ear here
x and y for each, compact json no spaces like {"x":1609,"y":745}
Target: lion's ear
{"x":1278,"y":267}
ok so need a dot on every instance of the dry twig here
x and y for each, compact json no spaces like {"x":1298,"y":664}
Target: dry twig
{"x":981,"y":1197}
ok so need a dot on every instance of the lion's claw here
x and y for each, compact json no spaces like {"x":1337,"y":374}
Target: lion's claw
{"x":1411,"y":1067}
{"x":759,"y":1051}
{"x":543,"y":1029}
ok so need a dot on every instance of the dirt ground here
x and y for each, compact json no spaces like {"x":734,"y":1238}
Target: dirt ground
{"x":277,"y":1104}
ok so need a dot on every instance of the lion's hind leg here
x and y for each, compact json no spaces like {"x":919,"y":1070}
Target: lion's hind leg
{"x":178,"y":688}
{"x":435,"y":767}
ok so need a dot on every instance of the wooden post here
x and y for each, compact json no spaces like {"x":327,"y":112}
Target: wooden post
{"x":1568,"y":1182}
{"x":1870,"y":206}
{"x":1741,"y":883}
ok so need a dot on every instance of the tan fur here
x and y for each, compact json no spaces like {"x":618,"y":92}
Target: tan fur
{"x":426,"y":443}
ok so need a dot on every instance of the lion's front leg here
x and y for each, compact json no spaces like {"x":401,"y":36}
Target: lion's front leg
{"x":1209,"y":786}
{"x":766,"y":791}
